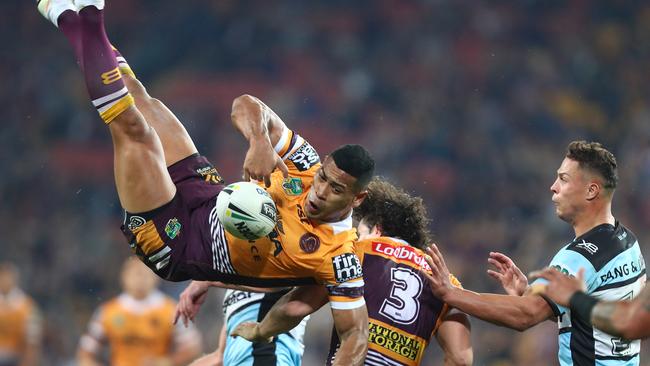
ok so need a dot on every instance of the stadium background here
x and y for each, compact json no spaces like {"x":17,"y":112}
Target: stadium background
{"x":468,"y":104}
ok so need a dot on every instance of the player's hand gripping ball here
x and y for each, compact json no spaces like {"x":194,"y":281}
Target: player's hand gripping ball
{"x":246,"y":210}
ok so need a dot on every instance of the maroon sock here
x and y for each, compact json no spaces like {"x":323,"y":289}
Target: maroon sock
{"x":70,"y":24}
{"x":103,"y":79}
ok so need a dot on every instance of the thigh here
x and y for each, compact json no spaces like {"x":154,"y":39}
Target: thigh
{"x":177,"y":143}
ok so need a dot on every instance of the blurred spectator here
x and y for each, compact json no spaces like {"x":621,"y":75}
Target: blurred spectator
{"x":20,"y":322}
{"x":137,"y":326}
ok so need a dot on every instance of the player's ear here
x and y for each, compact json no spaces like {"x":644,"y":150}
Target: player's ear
{"x":358,"y":198}
{"x":593,"y":191}
{"x":376,"y":231}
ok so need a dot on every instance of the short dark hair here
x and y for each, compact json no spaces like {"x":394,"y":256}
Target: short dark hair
{"x":397,"y":213}
{"x":356,"y":161}
{"x":594,"y":157}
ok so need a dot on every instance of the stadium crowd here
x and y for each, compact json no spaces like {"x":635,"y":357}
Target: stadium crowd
{"x":468,"y":104}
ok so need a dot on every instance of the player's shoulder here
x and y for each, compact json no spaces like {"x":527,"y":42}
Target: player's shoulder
{"x":602,"y":243}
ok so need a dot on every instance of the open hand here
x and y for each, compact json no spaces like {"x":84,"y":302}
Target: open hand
{"x":190,"y":301}
{"x":514,"y":282}
{"x":261,"y":160}
{"x":439,"y":277}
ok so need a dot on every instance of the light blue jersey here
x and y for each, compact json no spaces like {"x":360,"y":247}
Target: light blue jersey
{"x":241,"y":306}
{"x":614,"y":270}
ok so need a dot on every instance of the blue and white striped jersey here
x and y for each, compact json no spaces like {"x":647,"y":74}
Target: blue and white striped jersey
{"x":286,"y":349}
{"x":614,"y":270}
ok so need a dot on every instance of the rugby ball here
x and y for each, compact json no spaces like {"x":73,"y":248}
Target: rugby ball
{"x":246,"y":210}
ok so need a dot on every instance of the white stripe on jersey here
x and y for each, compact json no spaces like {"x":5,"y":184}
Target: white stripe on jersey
{"x":106,"y":98}
{"x":380,"y":359}
{"x":350,"y":284}
{"x":340,"y":305}
{"x":220,"y":255}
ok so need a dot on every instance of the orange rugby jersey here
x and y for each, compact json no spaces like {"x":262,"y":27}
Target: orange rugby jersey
{"x":136,"y":330}
{"x":298,"y":251}
{"x":403,"y":313}
{"x":20,"y":324}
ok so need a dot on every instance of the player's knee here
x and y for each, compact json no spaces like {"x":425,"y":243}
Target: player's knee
{"x":135,"y":87}
{"x":133,"y":127}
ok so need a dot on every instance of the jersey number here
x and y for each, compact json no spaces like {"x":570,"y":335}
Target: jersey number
{"x":402,"y":305}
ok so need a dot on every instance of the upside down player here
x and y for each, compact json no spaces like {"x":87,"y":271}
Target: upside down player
{"x":402,"y":309}
{"x":169,"y":191}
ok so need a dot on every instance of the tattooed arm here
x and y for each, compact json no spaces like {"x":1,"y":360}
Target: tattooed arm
{"x":628,"y":319}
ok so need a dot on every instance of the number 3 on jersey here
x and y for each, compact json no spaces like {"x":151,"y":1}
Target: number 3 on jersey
{"x":402,"y":305}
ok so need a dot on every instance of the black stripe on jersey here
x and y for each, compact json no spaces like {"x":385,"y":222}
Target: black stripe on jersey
{"x":260,"y":282}
{"x":583,"y":350}
{"x":565,"y":330}
{"x":619,"y":358}
{"x":264,"y":353}
{"x":620,"y":284}
{"x":610,"y":241}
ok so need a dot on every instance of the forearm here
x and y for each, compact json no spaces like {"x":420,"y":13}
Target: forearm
{"x":455,"y":339}
{"x":630,"y":320}
{"x":279,"y":319}
{"x":516,"y":312}
{"x":250,"y":117}
{"x":354,"y":346}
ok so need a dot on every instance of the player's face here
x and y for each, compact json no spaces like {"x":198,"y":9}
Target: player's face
{"x":332,"y":195}
{"x":569,"y":190}
{"x":364,"y":231}
{"x":137,"y":279}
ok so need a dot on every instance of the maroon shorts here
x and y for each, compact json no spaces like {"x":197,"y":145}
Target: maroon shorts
{"x":174,"y":240}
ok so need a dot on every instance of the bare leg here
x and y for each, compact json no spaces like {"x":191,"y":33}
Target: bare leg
{"x":176,"y":142}
{"x":141,"y":176}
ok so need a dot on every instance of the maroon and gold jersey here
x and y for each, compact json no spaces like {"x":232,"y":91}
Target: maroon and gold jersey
{"x":298,"y":250}
{"x":185,"y":239}
{"x":20,"y":325}
{"x":403,"y":313}
{"x":136,"y":331}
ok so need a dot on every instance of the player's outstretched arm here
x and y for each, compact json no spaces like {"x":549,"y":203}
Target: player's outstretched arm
{"x":352,"y":328}
{"x":455,"y":339}
{"x":215,"y":358}
{"x":284,"y":315}
{"x":516,"y":312}
{"x":627,"y":319}
{"x":263,"y":129}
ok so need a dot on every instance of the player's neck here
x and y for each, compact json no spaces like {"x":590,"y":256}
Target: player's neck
{"x":590,"y":220}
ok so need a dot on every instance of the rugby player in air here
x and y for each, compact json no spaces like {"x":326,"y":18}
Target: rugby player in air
{"x":168,"y":190}
{"x":403,"y":312}
{"x":582,"y":194}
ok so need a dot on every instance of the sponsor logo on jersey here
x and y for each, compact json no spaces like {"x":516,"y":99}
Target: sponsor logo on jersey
{"x":305,"y":157}
{"x":404,"y":253}
{"x":621,"y":271}
{"x":293,"y":186}
{"x":269,"y":211}
{"x":346,"y":267}
{"x":209,"y":174}
{"x":172,"y":228}
{"x":591,"y":248}
{"x":309,"y":243}
{"x":135,"y":222}
{"x":402,"y":344}
{"x":235,"y":297}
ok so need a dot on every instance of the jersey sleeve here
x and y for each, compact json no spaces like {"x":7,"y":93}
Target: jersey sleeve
{"x":95,"y":336}
{"x":301,"y":158}
{"x":569,"y":263}
{"x":342,"y":274}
